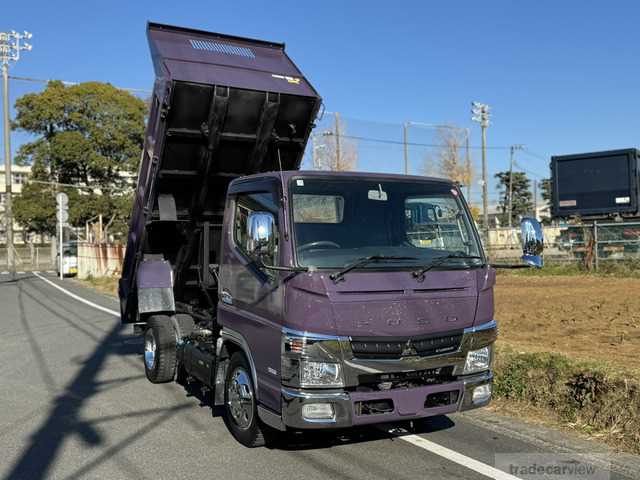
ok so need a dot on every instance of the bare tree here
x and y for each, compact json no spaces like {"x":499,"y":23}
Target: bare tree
{"x":334,"y":149}
{"x":452,"y":155}
{"x":429,"y":165}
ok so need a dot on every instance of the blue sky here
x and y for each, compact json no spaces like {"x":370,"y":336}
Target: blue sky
{"x":561,"y":77}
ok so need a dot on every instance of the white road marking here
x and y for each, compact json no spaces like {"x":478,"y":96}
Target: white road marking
{"x":36,"y":271}
{"x":77,"y":297}
{"x":456,"y":457}
{"x":5,"y":273}
{"x":20,"y":273}
{"x":451,"y":455}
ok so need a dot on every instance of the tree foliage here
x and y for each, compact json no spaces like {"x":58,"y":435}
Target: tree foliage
{"x":522,"y":199}
{"x":545,"y":189}
{"x":88,"y":135}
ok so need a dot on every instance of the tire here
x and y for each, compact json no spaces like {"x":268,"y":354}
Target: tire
{"x":241,"y":418}
{"x":160,"y":350}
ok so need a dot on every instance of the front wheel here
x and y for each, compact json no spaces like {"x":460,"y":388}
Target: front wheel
{"x":241,"y":412}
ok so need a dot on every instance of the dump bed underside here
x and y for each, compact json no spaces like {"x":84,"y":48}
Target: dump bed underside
{"x":222,"y":107}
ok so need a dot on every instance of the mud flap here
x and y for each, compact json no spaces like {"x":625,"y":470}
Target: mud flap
{"x":155,"y":287}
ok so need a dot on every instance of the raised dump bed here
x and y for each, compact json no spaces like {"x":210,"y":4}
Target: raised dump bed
{"x":222,"y":107}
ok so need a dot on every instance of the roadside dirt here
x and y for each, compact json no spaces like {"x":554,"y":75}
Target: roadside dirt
{"x":584,"y":317}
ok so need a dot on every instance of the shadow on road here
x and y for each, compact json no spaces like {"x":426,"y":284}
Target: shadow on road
{"x":312,"y":440}
{"x":64,"y":419}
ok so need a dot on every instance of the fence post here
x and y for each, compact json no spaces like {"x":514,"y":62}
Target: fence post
{"x":595,"y":244}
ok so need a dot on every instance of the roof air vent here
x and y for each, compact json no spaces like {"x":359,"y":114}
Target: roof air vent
{"x":222,"y":48}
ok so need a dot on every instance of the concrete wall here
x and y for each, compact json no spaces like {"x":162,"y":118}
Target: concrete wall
{"x":100,"y":259}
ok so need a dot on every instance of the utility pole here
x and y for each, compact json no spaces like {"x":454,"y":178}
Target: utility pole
{"x":467,"y":160}
{"x":512,"y":150}
{"x":314,"y":160}
{"x":11,"y":44}
{"x":405,"y":136}
{"x":480,"y":114}
{"x":338,"y":160}
{"x":535,"y":198}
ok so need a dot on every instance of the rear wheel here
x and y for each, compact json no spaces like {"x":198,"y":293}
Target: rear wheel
{"x":160,"y":350}
{"x":241,"y":412}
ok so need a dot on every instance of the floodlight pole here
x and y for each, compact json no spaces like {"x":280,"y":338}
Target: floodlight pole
{"x":10,"y":48}
{"x":480,"y":114}
{"x":8,"y":214}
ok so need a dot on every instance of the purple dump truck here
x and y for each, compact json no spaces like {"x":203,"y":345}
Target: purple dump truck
{"x":300,"y":300}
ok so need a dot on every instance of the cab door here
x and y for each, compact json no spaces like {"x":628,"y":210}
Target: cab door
{"x":250,"y":302}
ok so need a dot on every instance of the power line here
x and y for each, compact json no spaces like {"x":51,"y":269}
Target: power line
{"x":533,"y":154}
{"x":529,"y":171}
{"x":414,"y":144}
{"x":69,"y":83}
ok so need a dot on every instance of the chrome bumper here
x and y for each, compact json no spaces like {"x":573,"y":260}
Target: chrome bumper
{"x":408,"y":403}
{"x":405,"y":406}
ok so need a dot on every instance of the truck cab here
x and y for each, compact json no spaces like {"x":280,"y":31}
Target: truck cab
{"x":299,"y":299}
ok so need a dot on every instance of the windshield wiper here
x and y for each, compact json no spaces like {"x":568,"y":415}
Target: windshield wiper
{"x":440,"y":260}
{"x":363,"y":261}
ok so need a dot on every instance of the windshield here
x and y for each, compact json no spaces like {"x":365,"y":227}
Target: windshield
{"x":337,"y":222}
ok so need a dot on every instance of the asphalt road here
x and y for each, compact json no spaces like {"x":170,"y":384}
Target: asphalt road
{"x":75,"y":403}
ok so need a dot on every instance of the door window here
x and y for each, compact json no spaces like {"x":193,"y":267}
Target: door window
{"x":245,"y":205}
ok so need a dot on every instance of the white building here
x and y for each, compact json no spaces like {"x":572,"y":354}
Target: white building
{"x":19,"y":174}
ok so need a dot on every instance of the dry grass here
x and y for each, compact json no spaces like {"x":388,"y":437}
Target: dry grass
{"x":588,"y":397}
{"x":108,"y":285}
{"x":567,"y":351}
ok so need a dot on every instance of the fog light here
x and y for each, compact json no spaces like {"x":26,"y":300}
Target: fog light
{"x":318,"y":411}
{"x":481,"y":394}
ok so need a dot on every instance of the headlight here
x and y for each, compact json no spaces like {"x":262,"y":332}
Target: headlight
{"x":320,"y":374}
{"x":478,"y":360}
{"x":311,"y":361}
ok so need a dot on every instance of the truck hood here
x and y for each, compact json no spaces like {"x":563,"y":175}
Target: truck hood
{"x":389,"y":303}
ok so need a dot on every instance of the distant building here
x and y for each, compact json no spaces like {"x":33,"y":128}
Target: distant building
{"x":19,"y":174}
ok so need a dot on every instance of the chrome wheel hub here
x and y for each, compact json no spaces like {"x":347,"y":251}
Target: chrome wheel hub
{"x":150,"y":351}
{"x":240,"y":398}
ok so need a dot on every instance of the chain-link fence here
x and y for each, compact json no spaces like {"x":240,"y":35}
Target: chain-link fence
{"x":588,"y":244}
{"x":340,"y":142}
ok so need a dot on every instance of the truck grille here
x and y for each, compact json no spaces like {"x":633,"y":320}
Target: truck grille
{"x":396,"y":347}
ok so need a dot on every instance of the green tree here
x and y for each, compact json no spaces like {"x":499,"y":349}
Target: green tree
{"x":88,"y":135}
{"x":545,"y":189}
{"x":522,"y":199}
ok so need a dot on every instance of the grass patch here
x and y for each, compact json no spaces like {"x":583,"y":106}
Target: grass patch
{"x":594,"y":398}
{"x":606,"y":268}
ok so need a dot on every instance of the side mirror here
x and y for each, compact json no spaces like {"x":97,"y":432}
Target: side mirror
{"x":260,"y":229}
{"x":532,"y":242}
